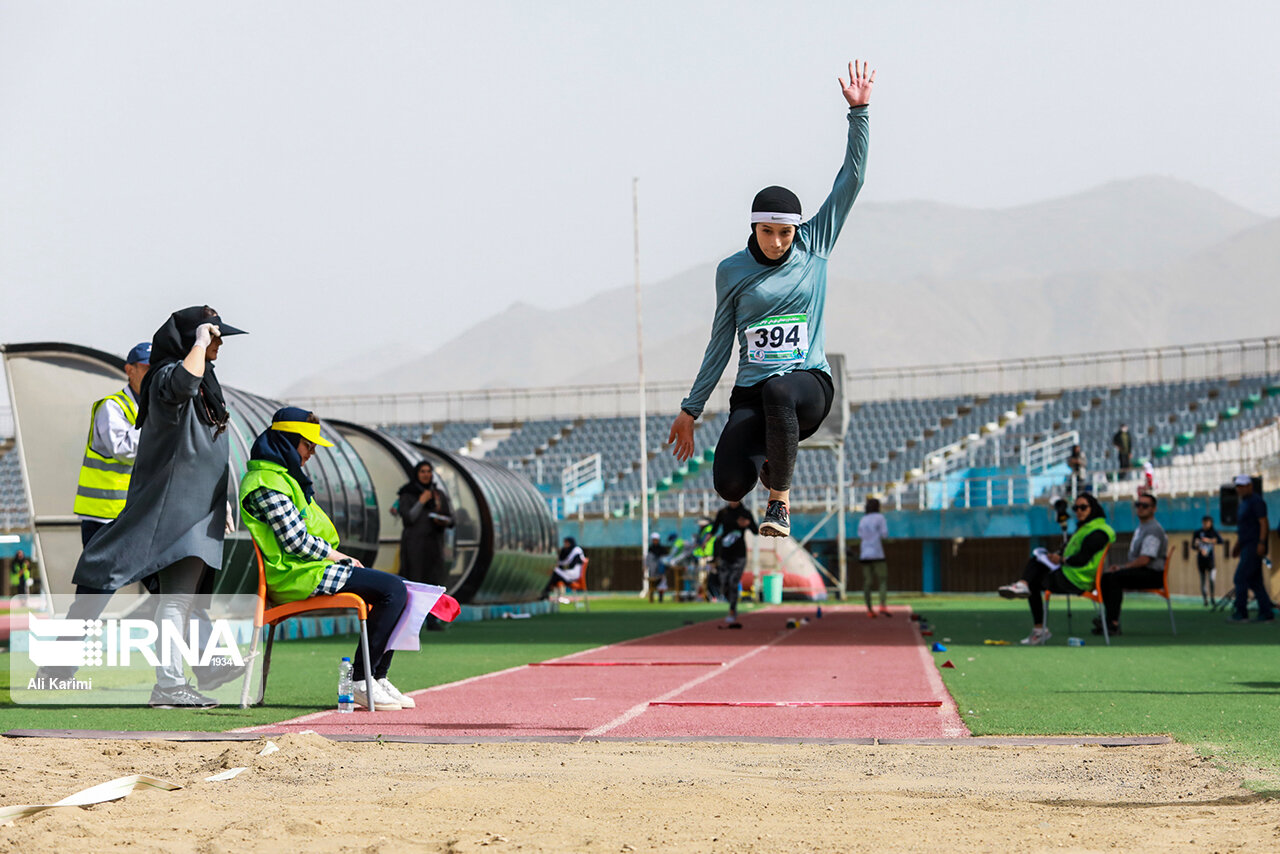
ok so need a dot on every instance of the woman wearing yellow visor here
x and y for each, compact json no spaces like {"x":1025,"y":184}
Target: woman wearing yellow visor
{"x":300,"y":545}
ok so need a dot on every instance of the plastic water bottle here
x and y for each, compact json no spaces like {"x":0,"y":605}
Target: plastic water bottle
{"x":346,"y":699}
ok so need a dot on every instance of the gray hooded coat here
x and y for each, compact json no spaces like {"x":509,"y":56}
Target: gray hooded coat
{"x":177,"y":495}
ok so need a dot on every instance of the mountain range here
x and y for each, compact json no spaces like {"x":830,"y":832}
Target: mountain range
{"x":1140,"y":263}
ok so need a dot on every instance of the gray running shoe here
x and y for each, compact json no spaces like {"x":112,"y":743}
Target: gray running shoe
{"x":180,"y":697}
{"x":777,"y":521}
{"x":211,"y":677}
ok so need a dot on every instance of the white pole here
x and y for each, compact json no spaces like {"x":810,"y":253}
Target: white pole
{"x":644,"y":443}
{"x":841,"y":536}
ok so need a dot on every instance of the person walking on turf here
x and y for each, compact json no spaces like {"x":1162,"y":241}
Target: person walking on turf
{"x":1252,"y":542}
{"x":1071,"y":571}
{"x":873,"y":533}
{"x":1204,"y":542}
{"x":770,"y":297}
{"x":729,"y":529}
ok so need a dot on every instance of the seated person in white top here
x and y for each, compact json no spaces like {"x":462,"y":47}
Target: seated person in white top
{"x":568,"y":567}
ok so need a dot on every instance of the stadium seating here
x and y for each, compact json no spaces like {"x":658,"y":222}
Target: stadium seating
{"x":888,"y":441}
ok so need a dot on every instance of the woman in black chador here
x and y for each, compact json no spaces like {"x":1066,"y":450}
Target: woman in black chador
{"x":425,"y":511}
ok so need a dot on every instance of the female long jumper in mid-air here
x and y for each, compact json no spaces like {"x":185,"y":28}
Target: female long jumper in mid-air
{"x":771,"y":295}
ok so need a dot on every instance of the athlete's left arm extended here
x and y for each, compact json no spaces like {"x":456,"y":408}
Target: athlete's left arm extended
{"x":819,"y":234}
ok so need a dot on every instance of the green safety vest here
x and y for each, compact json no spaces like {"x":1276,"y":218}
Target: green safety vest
{"x":707,"y":549}
{"x":104,"y":481}
{"x":1083,"y":576}
{"x":18,"y":572}
{"x":289,"y":578}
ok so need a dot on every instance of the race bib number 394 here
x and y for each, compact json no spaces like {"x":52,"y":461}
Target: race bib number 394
{"x":778,"y":340}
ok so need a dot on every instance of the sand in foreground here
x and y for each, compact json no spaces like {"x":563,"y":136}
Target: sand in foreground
{"x":317,"y":795}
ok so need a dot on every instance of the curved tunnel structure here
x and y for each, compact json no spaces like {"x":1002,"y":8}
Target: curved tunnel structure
{"x":501,"y":549}
{"x":504,"y":541}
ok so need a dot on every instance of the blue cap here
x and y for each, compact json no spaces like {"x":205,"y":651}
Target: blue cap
{"x":139,"y":355}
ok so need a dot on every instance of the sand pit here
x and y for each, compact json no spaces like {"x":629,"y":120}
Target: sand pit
{"x":318,"y":795}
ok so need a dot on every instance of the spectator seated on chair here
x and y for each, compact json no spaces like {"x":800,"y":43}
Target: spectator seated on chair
{"x":1144,"y":569}
{"x":1071,"y":571}
{"x":300,"y":545}
{"x":568,"y":568}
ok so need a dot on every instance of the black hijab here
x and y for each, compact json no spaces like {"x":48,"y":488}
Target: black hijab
{"x":414,"y":487}
{"x":281,"y":448}
{"x":778,"y":200}
{"x":1095,"y":509}
{"x":170,"y":344}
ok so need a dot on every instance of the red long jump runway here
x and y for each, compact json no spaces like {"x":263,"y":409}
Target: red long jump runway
{"x":840,"y":676}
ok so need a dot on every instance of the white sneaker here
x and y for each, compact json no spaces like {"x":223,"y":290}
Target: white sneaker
{"x":1036,"y":638}
{"x":405,"y":702}
{"x":1016,"y":590}
{"x":382,"y":700}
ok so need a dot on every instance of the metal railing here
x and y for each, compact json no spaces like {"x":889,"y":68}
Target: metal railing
{"x":1056,"y":449}
{"x":1111,"y":369}
{"x":582,"y":473}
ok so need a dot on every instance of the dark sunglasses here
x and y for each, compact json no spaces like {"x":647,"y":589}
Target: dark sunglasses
{"x":1080,"y":507}
{"x":1143,"y":504}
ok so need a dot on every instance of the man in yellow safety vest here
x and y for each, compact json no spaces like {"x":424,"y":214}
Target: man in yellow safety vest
{"x":110,"y":449}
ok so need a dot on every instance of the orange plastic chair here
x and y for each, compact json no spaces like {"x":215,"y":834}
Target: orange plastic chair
{"x":1094,"y":596}
{"x":1164,"y":591}
{"x":271,"y":617}
{"x":581,"y":584}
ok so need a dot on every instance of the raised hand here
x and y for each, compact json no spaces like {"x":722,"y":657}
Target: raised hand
{"x":205,"y":333}
{"x":858,"y":90}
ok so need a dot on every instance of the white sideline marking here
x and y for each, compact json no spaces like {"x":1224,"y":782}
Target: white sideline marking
{"x":639,"y":709}
{"x":948,"y":711}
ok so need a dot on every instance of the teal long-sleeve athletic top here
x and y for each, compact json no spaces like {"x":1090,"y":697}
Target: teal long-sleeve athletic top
{"x":776,"y":312}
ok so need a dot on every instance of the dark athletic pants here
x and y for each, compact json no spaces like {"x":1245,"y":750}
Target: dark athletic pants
{"x":731,"y":570}
{"x":1249,"y":576}
{"x":1040,"y":578}
{"x":386,"y":597}
{"x":768,"y":429}
{"x":1208,"y":575}
{"x":1114,"y":584}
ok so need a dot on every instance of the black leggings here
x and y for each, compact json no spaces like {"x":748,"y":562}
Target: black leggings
{"x":767,"y":428}
{"x":1040,"y":578}
{"x":386,"y":597}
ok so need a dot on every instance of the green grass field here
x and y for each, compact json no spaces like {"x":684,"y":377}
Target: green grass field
{"x":1214,"y":686}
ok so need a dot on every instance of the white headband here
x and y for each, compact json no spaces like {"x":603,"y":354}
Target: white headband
{"x":781,"y":218}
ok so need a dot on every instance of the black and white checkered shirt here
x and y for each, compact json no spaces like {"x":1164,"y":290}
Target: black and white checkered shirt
{"x":276,"y":509}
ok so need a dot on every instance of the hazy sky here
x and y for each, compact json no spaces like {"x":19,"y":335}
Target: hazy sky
{"x":339,"y":176}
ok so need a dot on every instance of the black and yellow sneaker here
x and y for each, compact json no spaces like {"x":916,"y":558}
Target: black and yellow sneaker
{"x":777,"y":521}
{"x":180,"y":697}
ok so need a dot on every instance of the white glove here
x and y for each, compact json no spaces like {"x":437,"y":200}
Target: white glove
{"x":205,"y":334}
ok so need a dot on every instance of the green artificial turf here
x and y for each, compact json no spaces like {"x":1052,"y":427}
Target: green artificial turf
{"x":1214,"y":685}
{"x":304,"y":674}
